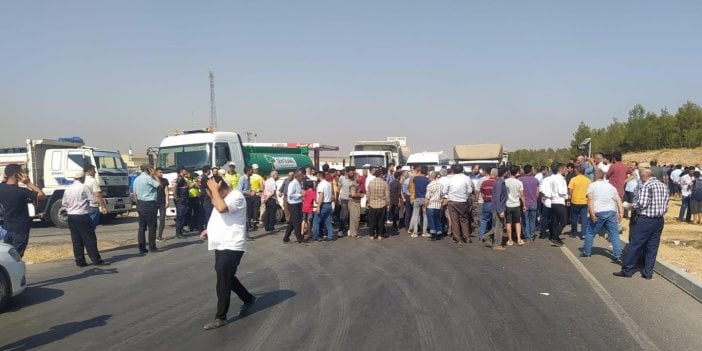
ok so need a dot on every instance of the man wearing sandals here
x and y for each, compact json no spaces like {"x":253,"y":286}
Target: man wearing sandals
{"x":515,"y":203}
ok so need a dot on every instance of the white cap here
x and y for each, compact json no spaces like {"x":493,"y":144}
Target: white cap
{"x":254,"y":166}
{"x":231,"y":163}
{"x":77,"y":174}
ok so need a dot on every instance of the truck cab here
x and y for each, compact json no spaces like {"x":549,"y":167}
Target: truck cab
{"x":361,"y":159}
{"x":49,"y":164}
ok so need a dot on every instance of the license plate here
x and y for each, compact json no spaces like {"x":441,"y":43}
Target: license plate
{"x":118,"y":207}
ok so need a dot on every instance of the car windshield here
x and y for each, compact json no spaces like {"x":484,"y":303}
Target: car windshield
{"x":373,"y":160}
{"x":188,"y":156}
{"x":110,"y":164}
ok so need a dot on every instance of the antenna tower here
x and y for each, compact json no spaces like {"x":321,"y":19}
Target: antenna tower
{"x":213,"y":109}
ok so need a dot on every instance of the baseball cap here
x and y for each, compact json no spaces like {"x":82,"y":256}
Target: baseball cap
{"x":231,"y":163}
{"x":254,"y":166}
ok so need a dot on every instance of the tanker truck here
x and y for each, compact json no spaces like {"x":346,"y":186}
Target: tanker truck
{"x":195,"y":149}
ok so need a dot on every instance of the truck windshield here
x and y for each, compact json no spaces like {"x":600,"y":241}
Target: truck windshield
{"x":188,"y":156}
{"x":373,"y":160}
{"x":110,"y":164}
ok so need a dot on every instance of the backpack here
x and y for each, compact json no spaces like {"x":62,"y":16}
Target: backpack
{"x":696,"y":190}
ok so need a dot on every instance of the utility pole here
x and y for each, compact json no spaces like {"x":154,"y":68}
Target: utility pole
{"x":213,"y":109}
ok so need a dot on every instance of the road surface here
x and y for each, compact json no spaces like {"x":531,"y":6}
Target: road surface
{"x":352,"y":294}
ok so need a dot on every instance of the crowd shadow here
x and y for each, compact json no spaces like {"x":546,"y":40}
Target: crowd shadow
{"x":118,"y":221}
{"x":267,"y":300}
{"x":33,"y":296}
{"x":180,"y":244}
{"x":90,"y":272}
{"x":56,"y":333}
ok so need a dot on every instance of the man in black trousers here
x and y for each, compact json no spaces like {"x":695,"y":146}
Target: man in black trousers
{"x":146,"y":192}
{"x":294,"y":196}
{"x":76,"y":200}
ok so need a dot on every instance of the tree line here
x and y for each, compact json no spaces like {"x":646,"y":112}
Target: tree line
{"x":642,"y":131}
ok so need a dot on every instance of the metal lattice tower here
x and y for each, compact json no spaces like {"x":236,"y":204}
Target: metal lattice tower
{"x":213,"y":108}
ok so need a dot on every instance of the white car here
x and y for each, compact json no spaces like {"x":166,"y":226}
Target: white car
{"x":12,"y":274}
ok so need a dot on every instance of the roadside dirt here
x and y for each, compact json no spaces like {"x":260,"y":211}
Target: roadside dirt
{"x":44,"y":252}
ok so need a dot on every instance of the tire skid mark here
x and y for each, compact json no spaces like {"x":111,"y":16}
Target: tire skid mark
{"x":275,"y":314}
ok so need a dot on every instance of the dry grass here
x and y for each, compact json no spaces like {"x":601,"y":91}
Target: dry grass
{"x":49,"y":252}
{"x":681,"y":243}
{"x":667,"y":156}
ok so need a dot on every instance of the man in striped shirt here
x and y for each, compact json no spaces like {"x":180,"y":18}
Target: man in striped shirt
{"x":652,"y":204}
{"x":433,"y":204}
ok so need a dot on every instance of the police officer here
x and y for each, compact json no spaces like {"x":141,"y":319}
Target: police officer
{"x":193,"y":201}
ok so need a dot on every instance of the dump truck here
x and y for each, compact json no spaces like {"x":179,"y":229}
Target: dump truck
{"x":50,"y":165}
{"x":486,"y":156}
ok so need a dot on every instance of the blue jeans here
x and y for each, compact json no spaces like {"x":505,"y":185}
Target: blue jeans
{"x":324,"y":216}
{"x":644,"y":240}
{"x":434,"y":219}
{"x":684,"y":207}
{"x":578,"y":214}
{"x":94,"y":214}
{"x":18,"y":239}
{"x":545,"y":220}
{"x":607,"y":220}
{"x":530,"y":222}
{"x":485,"y":220}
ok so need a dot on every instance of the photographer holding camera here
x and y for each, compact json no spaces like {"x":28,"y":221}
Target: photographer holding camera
{"x":13,"y":202}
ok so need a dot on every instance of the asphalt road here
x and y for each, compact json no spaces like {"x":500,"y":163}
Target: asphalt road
{"x":352,"y":294}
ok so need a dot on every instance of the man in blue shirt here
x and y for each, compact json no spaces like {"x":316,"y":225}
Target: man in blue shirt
{"x":146,"y":192}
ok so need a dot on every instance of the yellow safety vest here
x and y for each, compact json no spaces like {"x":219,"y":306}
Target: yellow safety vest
{"x":192,"y":192}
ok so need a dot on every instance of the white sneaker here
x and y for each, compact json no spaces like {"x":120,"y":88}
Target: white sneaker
{"x":510,"y":243}
{"x":426,"y":235}
{"x":414,"y":235}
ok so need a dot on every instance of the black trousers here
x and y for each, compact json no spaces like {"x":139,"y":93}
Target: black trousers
{"x":295,"y":222}
{"x":376,"y":221}
{"x":558,"y":221}
{"x":249,"y":211}
{"x":195,"y":213}
{"x":161,"y":218}
{"x":207,"y":208}
{"x":147,"y":219}
{"x":83,"y":238}
{"x":256,"y":209}
{"x":226,"y":264}
{"x":181,"y":215}
{"x":343,"y":214}
{"x":269,"y":215}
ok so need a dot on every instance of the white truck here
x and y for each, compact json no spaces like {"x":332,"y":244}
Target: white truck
{"x":379,"y":153}
{"x":432,"y":159}
{"x":486,"y":156}
{"x":49,"y":164}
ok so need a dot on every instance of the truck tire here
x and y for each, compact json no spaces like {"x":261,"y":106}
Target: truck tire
{"x":279,"y":215}
{"x":5,"y":290}
{"x":58,"y":215}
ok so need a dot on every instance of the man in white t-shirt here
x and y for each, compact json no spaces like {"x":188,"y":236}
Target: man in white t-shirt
{"x":323,"y":215}
{"x":226,"y":235}
{"x":515,"y":205}
{"x":605,"y":208}
{"x":98,"y":206}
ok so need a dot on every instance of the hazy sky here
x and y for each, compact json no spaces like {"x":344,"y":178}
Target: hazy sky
{"x":523,"y":73}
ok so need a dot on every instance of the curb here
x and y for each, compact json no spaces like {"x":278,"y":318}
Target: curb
{"x":684,"y":281}
{"x":679,"y":278}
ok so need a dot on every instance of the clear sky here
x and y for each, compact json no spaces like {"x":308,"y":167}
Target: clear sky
{"x":523,"y":73}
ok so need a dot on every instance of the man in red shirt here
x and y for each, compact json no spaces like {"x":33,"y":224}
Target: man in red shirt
{"x":486,"y":192}
{"x":618,"y":173}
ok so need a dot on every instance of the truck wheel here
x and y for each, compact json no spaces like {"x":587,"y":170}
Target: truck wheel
{"x":279,"y":215}
{"x":59,"y":215}
{"x":5,"y":292}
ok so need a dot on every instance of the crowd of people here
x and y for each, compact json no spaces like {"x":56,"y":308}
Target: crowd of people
{"x":510,"y":202}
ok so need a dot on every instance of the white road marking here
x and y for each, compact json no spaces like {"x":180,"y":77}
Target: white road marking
{"x":634,"y":329}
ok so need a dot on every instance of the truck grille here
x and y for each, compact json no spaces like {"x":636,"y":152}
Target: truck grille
{"x":117,"y":191}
